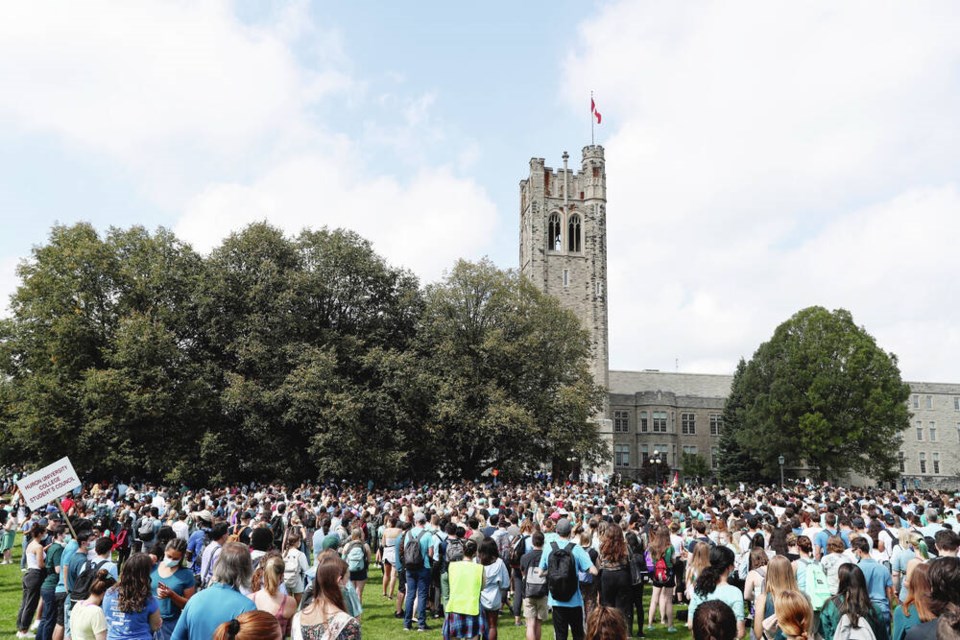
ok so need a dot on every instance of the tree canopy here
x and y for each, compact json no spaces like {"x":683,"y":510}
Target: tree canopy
{"x":283,"y":358}
{"x":821,"y":393}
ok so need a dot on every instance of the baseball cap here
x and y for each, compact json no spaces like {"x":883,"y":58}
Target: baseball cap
{"x":564,"y":528}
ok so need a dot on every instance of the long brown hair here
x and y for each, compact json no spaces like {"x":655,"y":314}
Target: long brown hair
{"x":606,"y":623}
{"x":918,"y":593}
{"x":133,"y":589}
{"x":327,"y":583}
{"x":252,"y":625}
{"x":780,"y":576}
{"x":613,"y":548}
{"x":660,"y":542}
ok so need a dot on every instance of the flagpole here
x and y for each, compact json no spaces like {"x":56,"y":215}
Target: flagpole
{"x":592,"y":143}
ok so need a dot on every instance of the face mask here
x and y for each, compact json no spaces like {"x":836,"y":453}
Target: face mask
{"x":171,"y":563}
{"x":67,"y":538}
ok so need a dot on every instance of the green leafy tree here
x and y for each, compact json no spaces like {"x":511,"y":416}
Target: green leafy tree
{"x":510,"y":371}
{"x":694,"y":465}
{"x":824,"y":395}
{"x":737,"y":463}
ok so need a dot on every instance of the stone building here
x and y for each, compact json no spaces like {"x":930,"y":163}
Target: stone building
{"x":563,"y":251}
{"x":563,"y":246}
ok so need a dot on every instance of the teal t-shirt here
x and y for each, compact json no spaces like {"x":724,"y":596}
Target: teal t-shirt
{"x":728,"y":594}
{"x":51,"y":560}
{"x":179,"y":582}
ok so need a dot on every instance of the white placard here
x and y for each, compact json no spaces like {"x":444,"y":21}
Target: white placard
{"x":51,"y":482}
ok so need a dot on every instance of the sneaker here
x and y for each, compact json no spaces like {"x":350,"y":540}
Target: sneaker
{"x":671,"y":629}
{"x":407,"y":629}
{"x":649,"y":627}
{"x":423,"y":628}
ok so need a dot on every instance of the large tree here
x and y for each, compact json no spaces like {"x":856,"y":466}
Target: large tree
{"x":513,"y":388}
{"x":737,"y":463}
{"x":821,"y":393}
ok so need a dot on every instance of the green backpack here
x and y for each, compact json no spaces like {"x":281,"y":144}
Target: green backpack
{"x":816,"y":585}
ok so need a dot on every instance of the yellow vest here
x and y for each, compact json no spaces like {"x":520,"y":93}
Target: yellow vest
{"x":466,"y":581}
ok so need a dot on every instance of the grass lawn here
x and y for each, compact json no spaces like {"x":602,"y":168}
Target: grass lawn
{"x":378,"y":620}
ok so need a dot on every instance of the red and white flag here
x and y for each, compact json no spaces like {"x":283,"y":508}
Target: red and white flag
{"x":593,"y":110}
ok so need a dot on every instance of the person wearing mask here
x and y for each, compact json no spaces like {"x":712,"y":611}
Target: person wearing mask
{"x":222,"y":600}
{"x":172,"y":584}
{"x":568,"y":614}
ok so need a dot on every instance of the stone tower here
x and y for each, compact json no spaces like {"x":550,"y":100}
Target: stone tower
{"x":563,"y":246}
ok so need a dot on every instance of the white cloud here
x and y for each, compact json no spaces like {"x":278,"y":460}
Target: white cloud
{"x":220,"y":122}
{"x":766,"y":156}
{"x":425,"y":224}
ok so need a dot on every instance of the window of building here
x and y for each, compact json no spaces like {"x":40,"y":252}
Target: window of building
{"x":923,"y":463}
{"x":716,"y":421}
{"x":599,"y":289}
{"x":936,"y":464}
{"x":688,"y":424}
{"x":919,"y":432}
{"x":621,"y":421}
{"x":643,"y":422}
{"x":933,"y":432}
{"x":903,"y":464}
{"x":659,"y":421}
{"x":573,"y":234}
{"x":621,"y":455}
{"x":689,"y":449}
{"x":554,"y":239}
{"x":644,"y":453}
{"x":916,"y":402}
{"x":929,"y":402}
{"x":566,"y":278}
{"x":956,"y":403}
{"x":714,"y":457}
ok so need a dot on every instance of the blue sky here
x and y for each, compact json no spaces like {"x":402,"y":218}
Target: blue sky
{"x":762,"y":156}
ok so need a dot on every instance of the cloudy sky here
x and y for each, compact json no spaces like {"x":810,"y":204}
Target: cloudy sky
{"x":761,"y":156}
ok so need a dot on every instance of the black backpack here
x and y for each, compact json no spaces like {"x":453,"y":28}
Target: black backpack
{"x":562,"y":572}
{"x":412,"y":553}
{"x":519,"y":548}
{"x":454,"y":552}
{"x":81,"y":588}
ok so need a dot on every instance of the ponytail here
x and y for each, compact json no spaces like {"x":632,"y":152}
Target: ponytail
{"x":252,"y":625}
{"x":721,"y":559}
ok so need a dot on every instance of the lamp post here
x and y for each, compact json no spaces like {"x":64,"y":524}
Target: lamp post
{"x":780,"y":460}
{"x":656,"y":465}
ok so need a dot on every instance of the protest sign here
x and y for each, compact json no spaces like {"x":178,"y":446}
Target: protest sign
{"x":51,"y":482}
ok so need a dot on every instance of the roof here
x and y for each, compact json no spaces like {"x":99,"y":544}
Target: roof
{"x":702,"y":385}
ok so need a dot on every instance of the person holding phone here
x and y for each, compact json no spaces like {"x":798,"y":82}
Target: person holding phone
{"x":172,"y":584}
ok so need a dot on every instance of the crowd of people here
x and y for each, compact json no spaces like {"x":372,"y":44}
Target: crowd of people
{"x":137,"y":560}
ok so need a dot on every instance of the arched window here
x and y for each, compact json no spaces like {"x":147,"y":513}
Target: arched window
{"x":573,"y":234}
{"x":554,"y":241}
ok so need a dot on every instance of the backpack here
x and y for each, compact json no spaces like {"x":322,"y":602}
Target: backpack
{"x":846,"y":630}
{"x":276,"y":527}
{"x":649,"y":560}
{"x":81,"y":588}
{"x":562,"y":572}
{"x":291,"y":570}
{"x":519,"y":548}
{"x":816,"y":585}
{"x":534,"y":582}
{"x":145,"y":532}
{"x":355,"y":557}
{"x":661,"y":573}
{"x":454,"y":551}
{"x":504,"y":546}
{"x":123,"y":540}
{"x":412,"y":553}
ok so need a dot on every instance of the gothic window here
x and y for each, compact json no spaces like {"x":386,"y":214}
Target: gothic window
{"x":573,"y":234}
{"x":554,"y":242}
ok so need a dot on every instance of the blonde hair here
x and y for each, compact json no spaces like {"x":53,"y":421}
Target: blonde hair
{"x":780,"y":576}
{"x":272,"y":574}
{"x":794,"y":614}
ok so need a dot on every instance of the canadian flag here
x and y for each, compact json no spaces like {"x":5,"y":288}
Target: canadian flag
{"x":593,"y":110}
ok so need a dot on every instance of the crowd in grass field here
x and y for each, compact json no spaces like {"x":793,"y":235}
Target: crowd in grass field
{"x":140,"y":560}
